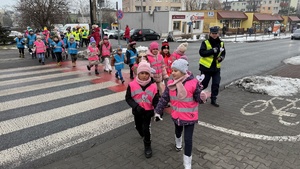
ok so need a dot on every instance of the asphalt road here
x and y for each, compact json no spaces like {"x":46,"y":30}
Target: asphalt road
{"x":49,"y":113}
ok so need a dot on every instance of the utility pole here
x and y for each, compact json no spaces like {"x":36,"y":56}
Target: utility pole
{"x":94,"y":11}
{"x":141,"y":14}
{"x":91,"y":13}
{"x":118,"y":25}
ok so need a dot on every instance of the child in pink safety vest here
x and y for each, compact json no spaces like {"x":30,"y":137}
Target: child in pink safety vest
{"x":141,"y":56}
{"x":93,"y":57}
{"x":142,"y":96}
{"x":179,"y":53}
{"x":157,"y":63}
{"x":40,"y":49}
{"x":105,"y":52}
{"x":184,"y":94}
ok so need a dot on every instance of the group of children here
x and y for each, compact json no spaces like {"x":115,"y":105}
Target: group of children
{"x":147,"y":98}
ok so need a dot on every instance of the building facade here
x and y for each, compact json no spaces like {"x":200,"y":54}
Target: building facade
{"x":151,"y":5}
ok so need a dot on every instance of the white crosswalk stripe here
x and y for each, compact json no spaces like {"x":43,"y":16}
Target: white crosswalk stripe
{"x":16,"y":153}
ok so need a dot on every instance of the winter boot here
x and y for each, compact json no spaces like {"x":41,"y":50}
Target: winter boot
{"x":214,"y":103}
{"x":116,"y":75}
{"x":187,"y":162}
{"x":88,"y":67}
{"x":96,"y":72}
{"x":23,"y":55}
{"x":178,"y":145}
{"x":148,"y":149}
{"x":20,"y":55}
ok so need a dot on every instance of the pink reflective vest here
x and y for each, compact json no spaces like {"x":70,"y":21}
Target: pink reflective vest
{"x":175,"y":56}
{"x":105,"y":50}
{"x":156,"y":63}
{"x":40,"y":46}
{"x":143,"y":98}
{"x":184,"y":109}
{"x":93,"y":53}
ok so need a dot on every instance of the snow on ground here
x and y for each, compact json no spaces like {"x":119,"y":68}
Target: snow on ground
{"x":293,"y":60}
{"x":272,"y":85}
{"x":247,"y":38}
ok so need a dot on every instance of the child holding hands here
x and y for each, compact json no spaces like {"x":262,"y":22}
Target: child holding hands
{"x":142,"y":96}
{"x":184,"y":94}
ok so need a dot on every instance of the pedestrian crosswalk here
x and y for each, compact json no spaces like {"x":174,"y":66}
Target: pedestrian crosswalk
{"x":46,"y":109}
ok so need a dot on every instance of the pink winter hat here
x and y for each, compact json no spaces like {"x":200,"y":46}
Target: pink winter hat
{"x":144,"y":66}
{"x":153,"y":45}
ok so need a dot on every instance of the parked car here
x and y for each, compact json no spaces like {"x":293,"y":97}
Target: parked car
{"x":145,"y":34}
{"x":110,"y":34}
{"x":121,"y":34}
{"x":105,"y":31}
{"x":296,"y":34}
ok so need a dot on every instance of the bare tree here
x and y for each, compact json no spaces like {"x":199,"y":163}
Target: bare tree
{"x":191,"y":5}
{"x":214,"y":5}
{"x":40,"y":13}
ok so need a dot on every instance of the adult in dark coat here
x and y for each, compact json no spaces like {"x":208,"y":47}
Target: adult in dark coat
{"x":212,"y":52}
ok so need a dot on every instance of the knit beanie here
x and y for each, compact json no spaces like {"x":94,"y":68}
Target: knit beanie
{"x":72,"y":37}
{"x":153,"y":45}
{"x":181,"y":65}
{"x":165,"y":45}
{"x":144,"y":66}
{"x":92,"y":40}
{"x":182,"y":47}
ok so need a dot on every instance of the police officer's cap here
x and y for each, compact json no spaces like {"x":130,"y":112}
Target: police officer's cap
{"x":214,"y":29}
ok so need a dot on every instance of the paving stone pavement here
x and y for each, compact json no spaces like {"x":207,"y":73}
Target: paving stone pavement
{"x":224,"y":138}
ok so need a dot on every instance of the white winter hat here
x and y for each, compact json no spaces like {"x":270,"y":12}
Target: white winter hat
{"x":181,"y":64}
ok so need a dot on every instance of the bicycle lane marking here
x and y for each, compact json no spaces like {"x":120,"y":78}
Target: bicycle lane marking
{"x":250,"y":135}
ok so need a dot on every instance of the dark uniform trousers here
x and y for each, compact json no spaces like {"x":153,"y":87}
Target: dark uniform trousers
{"x":216,"y":79}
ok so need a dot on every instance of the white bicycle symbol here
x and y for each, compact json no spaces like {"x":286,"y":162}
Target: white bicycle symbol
{"x":258,"y":106}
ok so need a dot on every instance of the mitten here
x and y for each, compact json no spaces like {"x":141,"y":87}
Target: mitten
{"x":139,"y":109}
{"x":157,"y":117}
{"x":204,"y":95}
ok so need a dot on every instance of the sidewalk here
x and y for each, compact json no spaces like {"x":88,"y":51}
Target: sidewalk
{"x":224,"y":138}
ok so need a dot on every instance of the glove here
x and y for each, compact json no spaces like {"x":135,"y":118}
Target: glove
{"x":157,"y":117}
{"x":204,"y":95}
{"x":216,"y":49}
{"x":139,"y":109}
{"x":222,"y":49}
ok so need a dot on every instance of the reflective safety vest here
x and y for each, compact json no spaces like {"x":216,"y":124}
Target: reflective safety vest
{"x":31,"y":39}
{"x":206,"y":61}
{"x":132,"y":57}
{"x":105,"y":50}
{"x":57,"y":46}
{"x":156,"y":63}
{"x":20,"y":42}
{"x":40,"y":46}
{"x":119,"y":61}
{"x":143,"y":98}
{"x":72,"y":48}
{"x":68,"y":35}
{"x":184,"y":109}
{"x":76,"y":36}
{"x":93,"y":53}
{"x":85,"y":34}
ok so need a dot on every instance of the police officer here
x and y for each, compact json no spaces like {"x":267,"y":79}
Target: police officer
{"x":212,"y":52}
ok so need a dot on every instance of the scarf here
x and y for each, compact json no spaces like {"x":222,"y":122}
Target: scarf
{"x":142,"y":83}
{"x":177,"y":84}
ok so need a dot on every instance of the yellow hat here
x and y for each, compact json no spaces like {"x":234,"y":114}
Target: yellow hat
{"x":45,"y":28}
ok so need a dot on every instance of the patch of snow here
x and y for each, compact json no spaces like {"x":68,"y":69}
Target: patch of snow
{"x":293,"y":60}
{"x":270,"y":85}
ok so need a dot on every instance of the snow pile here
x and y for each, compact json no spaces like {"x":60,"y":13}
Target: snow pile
{"x":270,"y":85}
{"x":293,"y":60}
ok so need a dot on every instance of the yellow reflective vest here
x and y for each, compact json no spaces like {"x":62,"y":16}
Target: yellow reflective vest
{"x":85,"y":34}
{"x":76,"y":36}
{"x":206,"y":61}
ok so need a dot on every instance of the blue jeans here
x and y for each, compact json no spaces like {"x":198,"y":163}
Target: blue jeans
{"x":119,"y":73}
{"x":41,"y":56}
{"x":188,"y":137}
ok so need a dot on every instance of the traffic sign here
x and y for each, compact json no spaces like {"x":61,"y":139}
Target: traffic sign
{"x":120,"y":14}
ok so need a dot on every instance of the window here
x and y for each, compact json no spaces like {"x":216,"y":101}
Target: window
{"x":236,"y":24}
{"x":233,"y":4}
{"x":157,"y":8}
{"x":197,"y":24}
{"x":176,"y":25}
{"x":166,"y":8}
{"x":263,"y":8}
{"x":269,"y":8}
{"x":150,"y":8}
{"x":178,"y":1}
{"x":174,"y":8}
{"x":270,"y":2}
